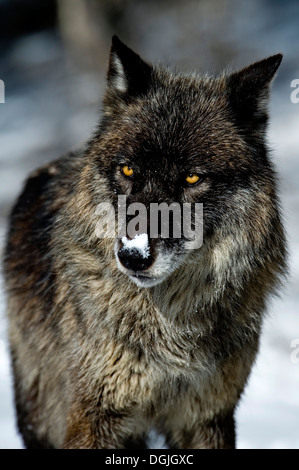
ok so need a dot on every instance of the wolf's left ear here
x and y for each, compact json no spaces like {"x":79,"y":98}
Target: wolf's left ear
{"x":248,"y":90}
{"x":128,"y":74}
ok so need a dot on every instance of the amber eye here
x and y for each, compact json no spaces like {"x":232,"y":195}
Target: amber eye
{"x":127,"y":170}
{"x":192,"y":178}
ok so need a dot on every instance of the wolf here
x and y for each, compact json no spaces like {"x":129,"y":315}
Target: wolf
{"x":109,"y":338}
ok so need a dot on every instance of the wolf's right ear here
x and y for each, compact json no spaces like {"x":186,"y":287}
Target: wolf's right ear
{"x":128,"y":74}
{"x":248,"y":91}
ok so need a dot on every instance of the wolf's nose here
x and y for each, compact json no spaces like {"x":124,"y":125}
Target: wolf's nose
{"x":135,"y":253}
{"x":134,"y":260}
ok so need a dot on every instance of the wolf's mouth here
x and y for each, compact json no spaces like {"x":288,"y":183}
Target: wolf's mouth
{"x":142,"y":280}
{"x":144,"y":265}
{"x":141,"y":276}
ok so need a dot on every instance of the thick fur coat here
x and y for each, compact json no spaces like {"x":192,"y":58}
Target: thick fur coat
{"x":103,"y":351}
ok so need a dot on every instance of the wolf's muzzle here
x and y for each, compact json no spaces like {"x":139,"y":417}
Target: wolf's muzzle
{"x":134,"y":260}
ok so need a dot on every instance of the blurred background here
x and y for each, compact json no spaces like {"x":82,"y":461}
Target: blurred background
{"x":53,"y":61}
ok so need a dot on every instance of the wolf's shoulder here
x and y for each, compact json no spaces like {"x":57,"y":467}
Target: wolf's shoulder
{"x":45,"y":191}
{"x":52,"y":180}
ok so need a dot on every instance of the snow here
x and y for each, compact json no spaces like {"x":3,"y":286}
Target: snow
{"x":138,"y":243}
{"x":9,"y":438}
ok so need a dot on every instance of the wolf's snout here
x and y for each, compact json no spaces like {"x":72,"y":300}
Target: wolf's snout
{"x":135,"y":253}
{"x":134,"y":260}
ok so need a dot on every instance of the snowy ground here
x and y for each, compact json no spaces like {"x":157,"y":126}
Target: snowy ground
{"x":47,"y":113}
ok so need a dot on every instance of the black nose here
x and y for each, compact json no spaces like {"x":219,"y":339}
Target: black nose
{"x":133,"y":259}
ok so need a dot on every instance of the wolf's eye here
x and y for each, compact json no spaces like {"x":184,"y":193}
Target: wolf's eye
{"x":192,"y":178}
{"x":127,"y":170}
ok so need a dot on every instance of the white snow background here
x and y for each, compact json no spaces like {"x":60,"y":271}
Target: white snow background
{"x":50,"y":109}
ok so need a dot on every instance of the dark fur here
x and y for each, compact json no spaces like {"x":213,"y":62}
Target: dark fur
{"x":99,"y":360}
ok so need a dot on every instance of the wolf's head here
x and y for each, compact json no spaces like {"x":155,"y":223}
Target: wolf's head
{"x":178,"y":139}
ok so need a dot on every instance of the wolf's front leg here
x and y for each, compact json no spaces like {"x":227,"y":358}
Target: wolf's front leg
{"x":95,"y":429}
{"x":217,"y":433}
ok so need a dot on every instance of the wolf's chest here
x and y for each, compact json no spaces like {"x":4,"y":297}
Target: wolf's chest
{"x":143,"y":373}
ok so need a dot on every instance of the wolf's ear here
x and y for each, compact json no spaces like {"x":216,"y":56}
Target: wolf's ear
{"x":248,"y":91}
{"x":128,"y":74}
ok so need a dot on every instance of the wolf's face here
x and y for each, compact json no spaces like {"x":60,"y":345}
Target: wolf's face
{"x":180,"y":140}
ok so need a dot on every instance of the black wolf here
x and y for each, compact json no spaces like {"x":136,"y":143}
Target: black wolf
{"x":108,"y":342}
